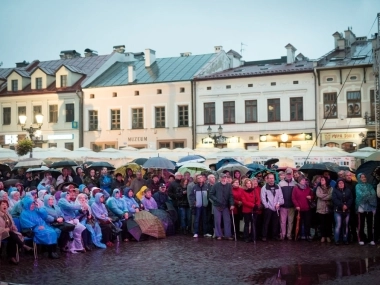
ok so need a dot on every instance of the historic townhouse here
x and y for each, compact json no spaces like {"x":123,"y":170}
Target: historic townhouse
{"x":259,"y":104}
{"x":345,"y":93}
{"x":146,"y":102}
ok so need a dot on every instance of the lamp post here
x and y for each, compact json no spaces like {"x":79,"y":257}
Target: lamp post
{"x":217,"y":139}
{"x":31,"y":130}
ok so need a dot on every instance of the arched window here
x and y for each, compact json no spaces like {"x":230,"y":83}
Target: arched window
{"x":349,"y":146}
{"x":332,"y":144}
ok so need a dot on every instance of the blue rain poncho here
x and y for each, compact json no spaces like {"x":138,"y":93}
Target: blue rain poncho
{"x":98,"y":208}
{"x":366,"y":200}
{"x":53,"y":212}
{"x":130,"y":201}
{"x":118,"y":206}
{"x":69,"y":209}
{"x":34,"y":219}
{"x":105,"y":182}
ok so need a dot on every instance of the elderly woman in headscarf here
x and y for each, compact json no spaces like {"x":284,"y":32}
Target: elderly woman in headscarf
{"x":132,"y":204}
{"x":84,"y":189}
{"x":88,"y":220}
{"x":14,"y":197}
{"x":9,"y":232}
{"x":70,"y":210}
{"x":117,"y":205}
{"x":100,"y":212}
{"x":366,"y":203}
{"x":4,"y":196}
{"x":41,"y":195}
{"x":34,"y":218}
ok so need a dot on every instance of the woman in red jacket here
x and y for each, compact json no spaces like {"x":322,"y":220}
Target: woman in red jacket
{"x":250,"y":206}
{"x":236,"y":193}
{"x":301,"y":196}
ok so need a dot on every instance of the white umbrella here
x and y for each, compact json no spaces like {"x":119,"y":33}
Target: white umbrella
{"x":29,"y":162}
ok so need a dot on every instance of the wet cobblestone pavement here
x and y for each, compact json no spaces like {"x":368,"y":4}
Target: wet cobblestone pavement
{"x":185,"y":260}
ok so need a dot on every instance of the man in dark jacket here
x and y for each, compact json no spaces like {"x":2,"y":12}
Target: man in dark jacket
{"x":223,"y":202}
{"x":353,"y":223}
{"x":287,"y":209}
{"x":172,"y":189}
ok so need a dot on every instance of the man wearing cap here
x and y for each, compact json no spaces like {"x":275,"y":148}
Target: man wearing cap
{"x":198,"y":202}
{"x":272,"y":199}
{"x":222,"y":203}
{"x":287,"y":209}
{"x":161,"y":197}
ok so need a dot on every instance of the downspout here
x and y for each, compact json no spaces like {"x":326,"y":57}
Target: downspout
{"x":193,"y":120}
{"x":79,"y":93}
{"x":316,"y":81}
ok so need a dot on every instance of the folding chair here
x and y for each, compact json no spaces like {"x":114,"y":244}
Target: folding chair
{"x":18,"y":225}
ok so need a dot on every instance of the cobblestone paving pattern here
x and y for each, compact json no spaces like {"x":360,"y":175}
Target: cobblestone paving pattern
{"x":185,"y":260}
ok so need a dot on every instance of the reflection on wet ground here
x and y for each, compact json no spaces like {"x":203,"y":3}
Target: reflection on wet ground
{"x":308,"y":274}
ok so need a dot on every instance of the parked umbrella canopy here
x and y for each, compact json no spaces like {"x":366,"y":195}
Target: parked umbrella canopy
{"x":190,"y":158}
{"x":29,"y":162}
{"x":231,"y":167}
{"x":193,"y":168}
{"x":63,"y":163}
{"x":159,"y":163}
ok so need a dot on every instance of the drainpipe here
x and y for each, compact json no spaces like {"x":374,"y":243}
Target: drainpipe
{"x":79,"y":93}
{"x":317,"y":134}
{"x":193,"y":120}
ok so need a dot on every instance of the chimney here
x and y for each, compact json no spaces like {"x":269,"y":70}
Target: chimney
{"x":349,"y":36}
{"x":150,"y":57}
{"x":290,"y":57}
{"x":185,"y":54}
{"x":129,"y":56}
{"x":131,"y":73}
{"x":218,"y":48}
{"x":68,"y":54}
{"x":22,"y":64}
{"x":119,"y":48}
{"x":336,"y":36}
{"x":89,"y":52}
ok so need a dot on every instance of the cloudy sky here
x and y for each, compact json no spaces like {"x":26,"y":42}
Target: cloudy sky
{"x":40,"y":29}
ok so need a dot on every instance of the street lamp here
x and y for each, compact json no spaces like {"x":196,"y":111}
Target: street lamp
{"x":31,"y":130}
{"x":217,"y":139}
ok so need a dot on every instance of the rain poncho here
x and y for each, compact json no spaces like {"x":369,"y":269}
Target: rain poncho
{"x":149,"y":203}
{"x":132,"y":205}
{"x":118,"y":206}
{"x":94,"y":229}
{"x":69,"y":209}
{"x":98,"y":208}
{"x":40,"y":199}
{"x":53,"y":212}
{"x":105,"y":182}
{"x":366,"y":200}
{"x":12,"y":201}
{"x":34,"y":219}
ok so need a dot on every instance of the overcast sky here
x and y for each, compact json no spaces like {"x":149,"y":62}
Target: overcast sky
{"x":40,"y":29}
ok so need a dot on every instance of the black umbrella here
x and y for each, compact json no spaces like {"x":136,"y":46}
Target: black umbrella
{"x":271,"y":161}
{"x":101,"y":164}
{"x":11,"y":182}
{"x":140,"y":161}
{"x":371,"y":171}
{"x":5,"y":167}
{"x":63,"y":163}
{"x":318,"y":168}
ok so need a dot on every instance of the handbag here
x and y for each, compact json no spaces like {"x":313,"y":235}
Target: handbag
{"x":64,"y":227}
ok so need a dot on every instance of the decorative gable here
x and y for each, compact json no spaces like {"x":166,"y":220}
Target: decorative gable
{"x":17,"y":80}
{"x":66,"y":76}
{"x":41,"y":78}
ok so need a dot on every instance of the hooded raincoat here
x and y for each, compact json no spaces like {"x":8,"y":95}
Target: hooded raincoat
{"x":132,"y":204}
{"x":366,"y":200}
{"x":118,"y":206}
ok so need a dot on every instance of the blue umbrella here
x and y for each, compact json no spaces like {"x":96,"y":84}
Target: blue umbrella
{"x":190,"y":158}
{"x":225,"y":161}
{"x":159,"y":163}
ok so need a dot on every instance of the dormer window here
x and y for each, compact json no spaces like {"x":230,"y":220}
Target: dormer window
{"x":39,"y":83}
{"x":14,"y":85}
{"x":63,"y":80}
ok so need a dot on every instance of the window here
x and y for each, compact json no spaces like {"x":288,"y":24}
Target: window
{"x":178,"y":144}
{"x":7,"y":116}
{"x":92,"y":96}
{"x":39,"y":83}
{"x":160,"y":117}
{"x":69,"y":146}
{"x":63,"y":80}
{"x":53,"y":113}
{"x":353,"y":77}
{"x":52,"y":145}
{"x":251,"y":111}
{"x":353,"y":104}
{"x":274,"y":114}
{"x":273,"y":84}
{"x":70,"y":112}
{"x":159,"y":91}
{"x":228,"y":86}
{"x":21,"y":110}
{"x":115,"y":119}
{"x":164,"y":145}
{"x":295,"y":82}
{"x":92,"y":120}
{"x":36,"y":110}
{"x":209,"y":113}
{"x":14,"y":85}
{"x":182,"y":90}
{"x":250,"y":85}
{"x":183,"y":116}
{"x":330,"y":79}
{"x":373,"y":104}
{"x":137,"y":93}
{"x":296,"y":109}
{"x":209,"y":88}
{"x":114,"y":94}
{"x":329,"y":105}
{"x":137,"y":118}
{"x":229,"y":112}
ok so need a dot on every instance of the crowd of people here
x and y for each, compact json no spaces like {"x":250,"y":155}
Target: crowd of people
{"x":81,"y":210}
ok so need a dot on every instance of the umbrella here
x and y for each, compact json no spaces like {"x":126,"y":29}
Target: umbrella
{"x":134,"y":229}
{"x":165,"y":219}
{"x":101,"y":164}
{"x":5,"y":167}
{"x":29,"y":162}
{"x":190,"y":158}
{"x":224,"y":161}
{"x":255,"y":166}
{"x":271,"y":161}
{"x":150,"y":224}
{"x":172,"y":211}
{"x":139,"y":161}
{"x":132,"y":165}
{"x":231,"y":167}
{"x":193,"y":167}
{"x":63,"y":163}
{"x":318,"y":168}
{"x":297,"y":225}
{"x":158,"y":162}
{"x":11,"y":182}
{"x":370,"y":169}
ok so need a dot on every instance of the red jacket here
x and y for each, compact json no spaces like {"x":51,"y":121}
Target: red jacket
{"x":299,"y":197}
{"x":236,"y":193}
{"x":249,"y":199}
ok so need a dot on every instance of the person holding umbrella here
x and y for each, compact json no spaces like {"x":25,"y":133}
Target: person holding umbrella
{"x":65,"y":176}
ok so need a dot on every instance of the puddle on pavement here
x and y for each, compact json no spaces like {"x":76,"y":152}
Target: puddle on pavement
{"x":308,"y":274}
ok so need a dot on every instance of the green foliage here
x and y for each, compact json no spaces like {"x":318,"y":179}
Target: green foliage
{"x":24,"y":146}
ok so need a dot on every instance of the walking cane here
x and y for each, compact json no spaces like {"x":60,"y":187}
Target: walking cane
{"x":233,"y":222}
